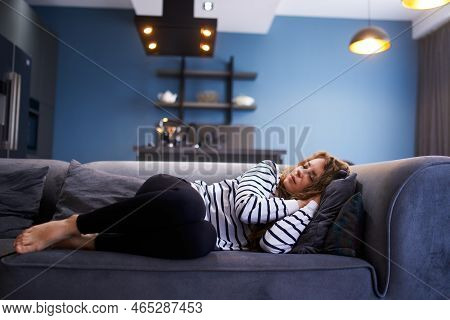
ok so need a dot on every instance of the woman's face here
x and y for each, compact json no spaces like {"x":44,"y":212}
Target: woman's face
{"x":302,"y":177}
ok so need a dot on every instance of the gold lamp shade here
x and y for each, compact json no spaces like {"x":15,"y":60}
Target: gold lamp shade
{"x":423,"y":4}
{"x":370,"y":40}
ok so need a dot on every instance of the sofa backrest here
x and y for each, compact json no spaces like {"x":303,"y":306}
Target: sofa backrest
{"x":207,"y":171}
{"x":53,"y":183}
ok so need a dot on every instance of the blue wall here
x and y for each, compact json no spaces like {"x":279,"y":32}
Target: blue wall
{"x":365,"y":115}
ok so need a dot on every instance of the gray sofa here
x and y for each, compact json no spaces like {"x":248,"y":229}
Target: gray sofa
{"x":406,"y":253}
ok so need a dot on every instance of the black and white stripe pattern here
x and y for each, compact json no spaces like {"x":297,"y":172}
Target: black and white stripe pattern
{"x":232,"y":204}
{"x":283,"y":235}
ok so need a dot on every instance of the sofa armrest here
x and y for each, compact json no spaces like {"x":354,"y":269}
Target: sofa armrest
{"x":406,"y":233}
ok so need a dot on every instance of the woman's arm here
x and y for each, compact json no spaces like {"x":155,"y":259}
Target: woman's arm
{"x":283,"y":235}
{"x":252,"y":202}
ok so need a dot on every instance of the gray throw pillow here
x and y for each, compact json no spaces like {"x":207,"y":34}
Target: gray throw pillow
{"x":332,"y":200}
{"x":85,"y":190}
{"x":20,"y":197}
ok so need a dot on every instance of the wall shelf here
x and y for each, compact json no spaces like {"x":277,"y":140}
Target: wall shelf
{"x":229,"y":75}
{"x":206,"y":74}
{"x":206,"y":105}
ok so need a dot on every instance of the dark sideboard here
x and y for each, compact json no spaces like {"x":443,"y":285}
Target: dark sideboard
{"x":207,"y":154}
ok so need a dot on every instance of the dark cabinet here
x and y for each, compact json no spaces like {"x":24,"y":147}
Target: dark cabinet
{"x":208,"y":154}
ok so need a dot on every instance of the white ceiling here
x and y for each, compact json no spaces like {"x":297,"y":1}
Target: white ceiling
{"x":252,"y":16}
{"x":353,"y":9}
{"x":256,"y":16}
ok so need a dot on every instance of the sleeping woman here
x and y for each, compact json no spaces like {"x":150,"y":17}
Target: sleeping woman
{"x":262,"y":209}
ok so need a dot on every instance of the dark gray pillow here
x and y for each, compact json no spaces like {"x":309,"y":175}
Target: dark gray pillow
{"x":20,"y":197}
{"x":332,"y":200}
{"x":85,"y":190}
{"x":345,"y":236}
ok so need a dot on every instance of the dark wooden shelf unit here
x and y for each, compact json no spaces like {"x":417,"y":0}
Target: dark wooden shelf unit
{"x":206,"y":74}
{"x":229,"y":75}
{"x":206,"y":105}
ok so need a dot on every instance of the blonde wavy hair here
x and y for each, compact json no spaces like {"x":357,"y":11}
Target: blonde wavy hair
{"x":332,"y":166}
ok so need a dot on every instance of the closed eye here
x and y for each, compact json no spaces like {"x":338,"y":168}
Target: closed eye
{"x":312,"y":174}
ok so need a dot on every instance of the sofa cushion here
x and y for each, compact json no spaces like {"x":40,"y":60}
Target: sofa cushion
{"x":239,"y":275}
{"x":345,"y":236}
{"x":20,"y":197}
{"x":86,"y":189}
{"x":333,"y":197}
{"x":55,"y":178}
{"x":6,"y":247}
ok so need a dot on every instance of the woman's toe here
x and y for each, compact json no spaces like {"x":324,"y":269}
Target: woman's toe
{"x":26,"y":240}
{"x":18,"y":240}
{"x":18,"y":248}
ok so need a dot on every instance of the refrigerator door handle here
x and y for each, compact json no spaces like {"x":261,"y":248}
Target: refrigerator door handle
{"x":15,"y":83}
{"x":2,"y":104}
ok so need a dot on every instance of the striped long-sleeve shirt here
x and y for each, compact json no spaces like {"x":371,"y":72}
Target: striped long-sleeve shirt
{"x":233,"y":204}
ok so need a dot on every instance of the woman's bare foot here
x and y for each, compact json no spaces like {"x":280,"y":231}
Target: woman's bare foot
{"x":41,"y":236}
{"x":83,"y":241}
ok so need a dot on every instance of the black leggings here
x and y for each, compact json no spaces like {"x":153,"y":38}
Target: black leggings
{"x":165,"y":219}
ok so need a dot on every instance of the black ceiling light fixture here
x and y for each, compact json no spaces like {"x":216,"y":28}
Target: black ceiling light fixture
{"x":177,"y":32}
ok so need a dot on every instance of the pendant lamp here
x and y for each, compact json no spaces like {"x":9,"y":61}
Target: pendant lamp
{"x":423,"y":4}
{"x":370,"y":40}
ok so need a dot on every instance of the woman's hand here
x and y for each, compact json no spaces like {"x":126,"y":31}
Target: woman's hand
{"x":316,"y":198}
{"x":302,"y":203}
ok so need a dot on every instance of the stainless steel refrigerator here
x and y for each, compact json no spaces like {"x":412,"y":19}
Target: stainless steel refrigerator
{"x":18,"y":123}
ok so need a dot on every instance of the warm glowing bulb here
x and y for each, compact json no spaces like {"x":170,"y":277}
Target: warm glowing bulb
{"x":370,"y":46}
{"x":205,"y":47}
{"x":152,"y":45}
{"x":165,"y":119}
{"x":206,"y":32}
{"x":423,"y":4}
{"x":148,"y":30}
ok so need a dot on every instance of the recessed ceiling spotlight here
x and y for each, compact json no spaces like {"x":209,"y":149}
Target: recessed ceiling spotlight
{"x":205,"y":47}
{"x":208,"y":5}
{"x":152,"y":45}
{"x":205,"y":32}
{"x":148,"y":30}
